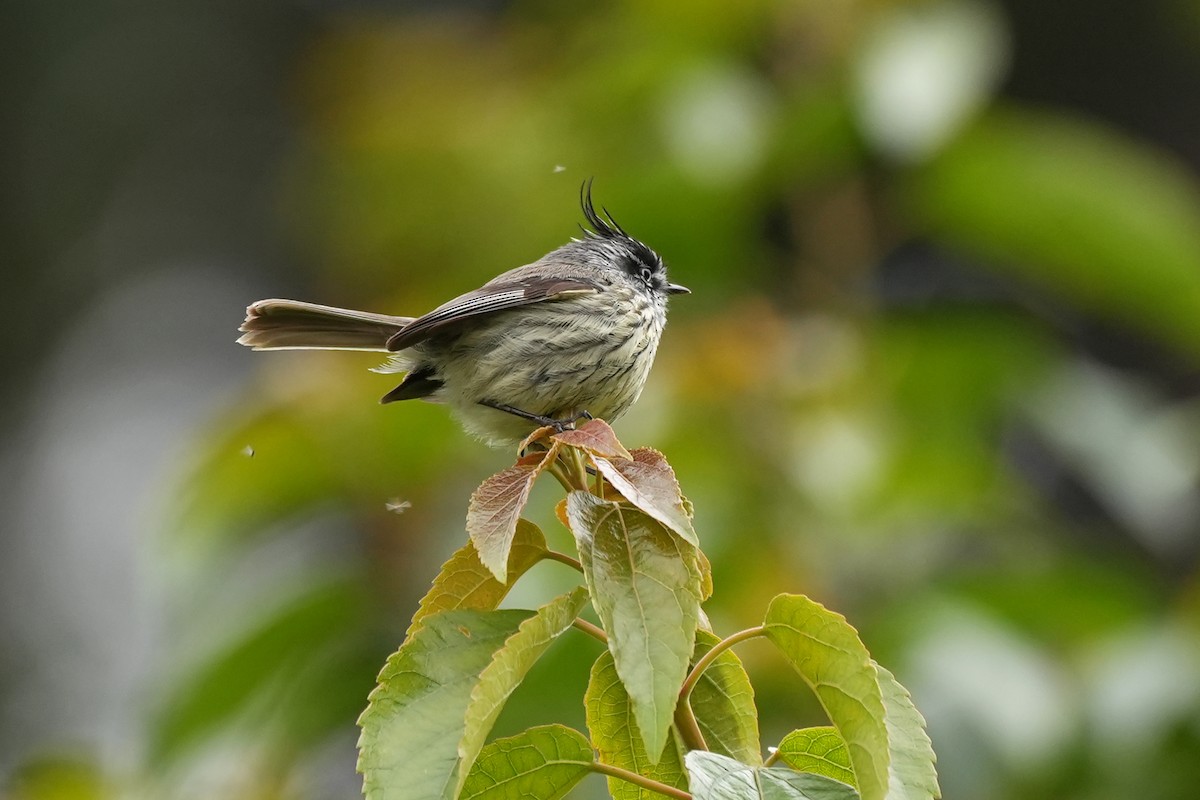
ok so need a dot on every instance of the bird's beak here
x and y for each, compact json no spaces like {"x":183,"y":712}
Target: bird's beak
{"x":675,"y":288}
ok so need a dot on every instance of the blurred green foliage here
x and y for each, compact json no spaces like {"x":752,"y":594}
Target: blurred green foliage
{"x":867,"y":397}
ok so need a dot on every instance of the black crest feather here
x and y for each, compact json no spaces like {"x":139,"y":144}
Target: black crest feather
{"x":603,"y":226}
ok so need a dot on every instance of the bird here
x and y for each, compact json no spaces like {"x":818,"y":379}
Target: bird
{"x":568,"y":337}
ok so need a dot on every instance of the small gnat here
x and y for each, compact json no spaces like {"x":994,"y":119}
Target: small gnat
{"x":398,"y":506}
{"x":559,"y":168}
{"x":248,"y":451}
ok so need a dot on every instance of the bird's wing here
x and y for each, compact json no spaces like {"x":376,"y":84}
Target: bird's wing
{"x":487,"y":300}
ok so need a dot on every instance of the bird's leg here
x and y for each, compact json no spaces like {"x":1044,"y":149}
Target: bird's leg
{"x":559,"y":425}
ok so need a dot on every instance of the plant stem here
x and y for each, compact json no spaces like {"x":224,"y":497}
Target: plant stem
{"x":685,"y":718}
{"x":560,"y":475}
{"x":688,"y":727}
{"x":563,"y":558}
{"x":685,"y":692}
{"x":640,"y":780}
{"x":591,"y":630}
{"x":580,"y":469}
{"x":772,"y":758}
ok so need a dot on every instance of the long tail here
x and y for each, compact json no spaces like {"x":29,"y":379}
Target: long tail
{"x":292,"y":325}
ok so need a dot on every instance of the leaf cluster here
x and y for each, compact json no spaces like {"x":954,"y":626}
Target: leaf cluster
{"x":670,"y":709}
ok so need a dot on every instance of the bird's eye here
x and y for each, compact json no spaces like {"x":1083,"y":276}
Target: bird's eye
{"x":647,"y":274}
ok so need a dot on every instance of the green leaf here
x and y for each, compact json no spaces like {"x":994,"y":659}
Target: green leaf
{"x":648,"y":482}
{"x":911,"y":774}
{"x":706,"y":581}
{"x":509,"y":667}
{"x":464,"y":582}
{"x":820,"y":750}
{"x":723,"y":704}
{"x":495,"y":510}
{"x":712,"y":776}
{"x":827,"y":653}
{"x":441,"y":692}
{"x":885,"y":738}
{"x":645,"y":587}
{"x":1111,"y":224}
{"x":542,"y":763}
{"x":415,"y":717}
{"x":615,"y":733}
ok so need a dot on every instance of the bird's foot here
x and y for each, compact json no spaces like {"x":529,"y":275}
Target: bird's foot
{"x":559,"y":425}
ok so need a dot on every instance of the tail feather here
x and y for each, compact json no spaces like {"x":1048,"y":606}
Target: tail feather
{"x":293,"y":325}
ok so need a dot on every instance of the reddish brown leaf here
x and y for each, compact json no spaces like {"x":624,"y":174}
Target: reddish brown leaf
{"x":653,"y":458}
{"x":496,"y":507}
{"x":540,"y":433}
{"x":650,"y":485}
{"x":595,"y":437}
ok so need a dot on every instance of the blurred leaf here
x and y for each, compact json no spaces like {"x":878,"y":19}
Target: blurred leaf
{"x":509,"y":667}
{"x":496,"y":507}
{"x":649,"y":483}
{"x":820,"y":750}
{"x":415,"y":717}
{"x":645,"y":587}
{"x":464,"y":582}
{"x":951,"y":377}
{"x":279,"y":649}
{"x":1106,"y":222}
{"x":818,"y":138}
{"x":827,"y":653}
{"x":326,"y":693}
{"x":329,"y":446}
{"x":961,"y":367}
{"x":594,"y":437}
{"x":57,"y":779}
{"x":543,"y":763}
{"x":235,"y":491}
{"x":610,"y":719}
{"x":723,"y":703}
{"x":715,"y":777}
{"x":1073,"y":601}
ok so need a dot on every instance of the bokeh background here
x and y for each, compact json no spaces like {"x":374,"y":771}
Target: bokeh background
{"x":940,"y":370}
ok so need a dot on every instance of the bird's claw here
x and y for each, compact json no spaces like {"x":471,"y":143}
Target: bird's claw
{"x":559,"y":425}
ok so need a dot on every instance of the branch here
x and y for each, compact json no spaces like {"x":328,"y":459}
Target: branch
{"x":563,"y":558}
{"x":640,"y":780}
{"x":708,"y":658}
{"x":688,"y":727}
{"x":591,"y":630}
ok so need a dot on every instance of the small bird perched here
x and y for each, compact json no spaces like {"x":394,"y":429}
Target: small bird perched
{"x":569,"y":336}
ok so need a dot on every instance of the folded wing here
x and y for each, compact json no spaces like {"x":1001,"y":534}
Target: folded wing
{"x":486,"y":300}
